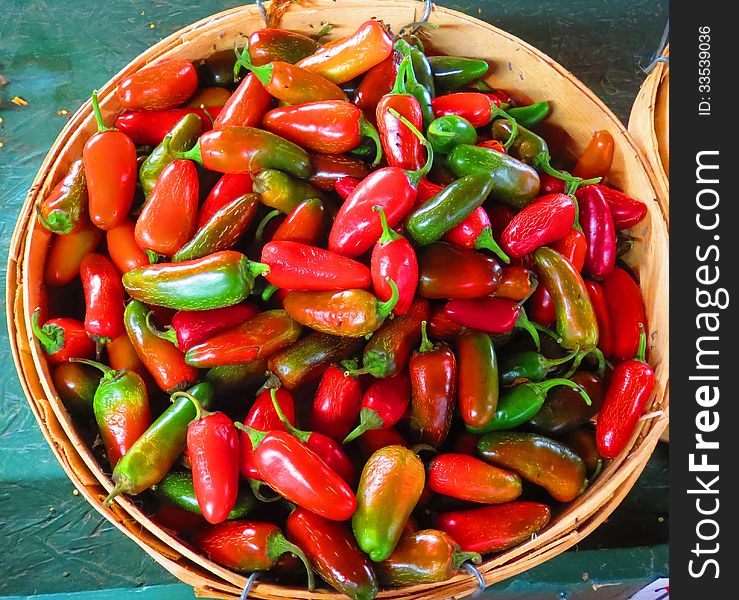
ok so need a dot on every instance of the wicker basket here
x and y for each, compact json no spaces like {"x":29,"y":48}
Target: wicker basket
{"x":516,"y":66}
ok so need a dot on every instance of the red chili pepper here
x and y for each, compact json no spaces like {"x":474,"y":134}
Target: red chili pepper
{"x":491,"y":315}
{"x":541,"y":306}
{"x":516,"y":283}
{"x":299,"y":475}
{"x":149,"y":128}
{"x":262,"y":417}
{"x":383,"y":405}
{"x":626,"y":308}
{"x":296,"y":266}
{"x":66,"y":252}
{"x":345,"y":186}
{"x":111,"y":172}
{"x":600,"y":235}
{"x":328,"y":168}
{"x":164,"y":84}
{"x":573,"y":247}
{"x":468,"y":478}
{"x":446,"y":271}
{"x":629,"y":389}
{"x":500,"y":216}
{"x":307,"y":125}
{"x":123,"y":249}
{"x":426,"y":190}
{"x":625,"y":210}
{"x":229,"y":187}
{"x":475,"y":107}
{"x":433,"y":374}
{"x":466,"y":443}
{"x":247,"y":105}
{"x":545,"y":220}
{"x":494,"y":528}
{"x":475,"y":233}
{"x":377,"y":82}
{"x":104,"y":298}
{"x":549,"y":184}
{"x":498,"y":147}
{"x":168,"y":219}
{"x":305,"y":224}
{"x":62,"y":338}
{"x":393,"y":258}
{"x":213,"y":449}
{"x":441,"y":327}
{"x":602,"y":315}
{"x":401,"y":146}
{"x":336,"y":404}
{"x":595,"y":161}
{"x":374,"y":439}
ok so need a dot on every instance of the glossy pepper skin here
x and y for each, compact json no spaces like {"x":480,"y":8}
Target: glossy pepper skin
{"x":490,"y":315}
{"x":150,"y":128}
{"x":333,"y":553}
{"x":300,"y":476}
{"x":307,"y":126}
{"x":350,"y":313}
{"x":66,"y":252}
{"x":469,"y":478}
{"x":573,"y":247}
{"x":229,"y":188}
{"x":305,"y":361}
{"x":109,"y":159}
{"x":192,"y":327}
{"x":516,"y":283}
{"x":595,"y":161}
{"x":60,"y":211}
{"x":475,"y":233}
{"x":122,"y":355}
{"x":426,"y":556}
{"x":377,"y":82}
{"x":478,"y":387}
{"x":606,"y":332}
{"x":76,"y":385}
{"x":389,"y":489}
{"x":214,"y":281}
{"x":282,"y":192}
{"x":152,"y":455}
{"x":600,"y":234}
{"x":446,"y":271}
{"x":514,"y":182}
{"x":247,"y":546}
{"x":576,"y":323}
{"x":62,"y":338}
{"x":390,"y":348}
{"x":123,"y":249}
{"x":453,"y":72}
{"x":625,"y":210}
{"x":564,"y":410}
{"x":246,"y":106}
{"x":445,"y":133}
{"x":626,"y":307}
{"x":394,"y":259}
{"x":546,"y":220}
{"x":163,"y":360}
{"x":329,"y":168}
{"x":344,"y":59}
{"x":419,"y":79}
{"x":433,"y":373}
{"x":336,"y":403}
{"x":168,"y":219}
{"x":494,"y":528}
{"x":304,"y":224}
{"x":164,"y":84}
{"x":537,"y":459}
{"x":121,"y":407}
{"x":530,"y":365}
{"x":101,"y":284}
{"x":269,"y":44}
{"x":296,"y":266}
{"x":384,"y":403}
{"x":530,"y":115}
{"x":629,"y":389}
{"x":258,"y":337}
{"x":475,"y":108}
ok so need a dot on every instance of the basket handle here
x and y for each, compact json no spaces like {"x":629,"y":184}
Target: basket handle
{"x":255,"y":575}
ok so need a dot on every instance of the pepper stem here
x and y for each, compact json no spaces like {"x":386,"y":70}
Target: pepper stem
{"x":93,"y":363}
{"x":122,"y":486}
{"x":388,"y":235}
{"x":192,"y":154}
{"x":256,"y":269}
{"x":169,"y":334}
{"x":399,"y":84}
{"x":367,"y":129}
{"x":415,"y":176}
{"x":294,"y":431}
{"x":553,"y":362}
{"x":272,"y":382}
{"x":263,"y":73}
{"x":259,"y":233}
{"x":522,"y":322}
{"x":268,"y":292}
{"x":426,"y":344}
{"x":499,"y":112}
{"x":200,"y":412}
{"x":544,"y":386}
{"x":98,"y":114}
{"x":255,"y":436}
{"x":51,"y":337}
{"x":641,"y":354}
{"x":277,"y":545}
{"x":385,"y":308}
{"x":486,"y":241}
{"x":368,"y":419}
{"x":460,"y":557}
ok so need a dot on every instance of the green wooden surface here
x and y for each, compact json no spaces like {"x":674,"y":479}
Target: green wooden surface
{"x":52,"y":54}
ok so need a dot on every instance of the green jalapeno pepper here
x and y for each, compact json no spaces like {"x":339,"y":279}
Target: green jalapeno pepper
{"x":421,"y":65}
{"x":518,"y":404}
{"x":448,"y":208}
{"x":448,"y":132}
{"x":227,"y":379}
{"x":564,"y":410}
{"x":528,"y":116}
{"x":419,"y":81}
{"x":182,"y":137}
{"x":214,"y":281}
{"x":63,"y":207}
{"x":454,"y":72}
{"x":478,"y":378}
{"x":159,"y":447}
{"x":514,"y":182}
{"x":282,"y":192}
{"x":530,"y":365}
{"x":391,"y":485}
{"x":537,"y":459}
{"x":218,"y":69}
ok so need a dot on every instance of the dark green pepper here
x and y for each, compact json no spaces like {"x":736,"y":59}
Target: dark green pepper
{"x":227,"y":379}
{"x":454,"y":72}
{"x":448,"y":132}
{"x":421,"y":65}
{"x":419,"y":84}
{"x":530,"y":365}
{"x":528,"y":116}
{"x":282,"y":192}
{"x":514,"y":182}
{"x":564,"y":410}
{"x":448,"y":208}
{"x":218,"y":69}
{"x":76,"y":385}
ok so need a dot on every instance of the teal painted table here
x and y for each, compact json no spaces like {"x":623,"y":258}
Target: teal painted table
{"x":52,"y":54}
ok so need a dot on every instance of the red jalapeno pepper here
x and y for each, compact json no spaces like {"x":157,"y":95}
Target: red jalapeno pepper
{"x":426,"y":189}
{"x":447,"y":271}
{"x":626,"y":307}
{"x":111,"y":171}
{"x":62,"y":338}
{"x":393,"y":259}
{"x":104,"y":298}
{"x":478,"y":378}
{"x":164,"y":84}
{"x":123,"y":249}
{"x":475,"y":107}
{"x":500,"y":216}
{"x":468,"y":478}
{"x":629,"y":389}
{"x":549,"y":184}
{"x":541,"y":306}
{"x":383,"y":405}
{"x":296,"y":266}
{"x":374,"y":439}
{"x":377,"y":82}
{"x":491,"y":315}
{"x":305,"y":224}
{"x":64,"y":207}
{"x":298,"y":474}
{"x":246,"y":106}
{"x":475,"y":233}
{"x":229,"y":187}
{"x":600,"y":234}
{"x":442,"y":327}
{"x":344,"y":186}
{"x":546,"y":219}
{"x":595,"y":161}
{"x":516,"y":283}
{"x":328,"y":168}
{"x":433,"y":374}
{"x":336,"y":404}
{"x":497,"y":146}
{"x":600,"y":308}
{"x":168,"y":219}
{"x":149,"y":128}
{"x":122,"y":355}
{"x":625,"y":210}
{"x":573,"y":247}
{"x":67,"y":251}
{"x":307,"y":126}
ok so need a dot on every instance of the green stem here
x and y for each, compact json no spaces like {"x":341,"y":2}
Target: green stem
{"x":51,"y":337}
{"x":414,"y":176}
{"x":367,"y":129}
{"x":277,"y":545}
{"x":98,"y":114}
{"x":169,"y":334}
{"x":523,"y":323}
{"x":553,"y":362}
{"x":192,"y":154}
{"x":641,"y":354}
{"x":303,"y":436}
{"x":462,"y":557}
{"x":256,"y":268}
{"x":385,"y":308}
{"x":200,"y":412}
{"x":426,"y":344}
{"x":268,"y":292}
{"x":154,"y":257}
{"x":486,"y":241}
{"x":93,"y":363}
{"x":499,"y":112}
{"x":368,"y":419}
{"x":255,"y":436}
{"x":388,"y":235}
{"x":399,"y":88}
{"x":121,"y":487}
{"x":263,"y":73}
{"x":207,"y":114}
{"x":547,"y":385}
{"x":259,"y":233}
{"x":552,"y":334}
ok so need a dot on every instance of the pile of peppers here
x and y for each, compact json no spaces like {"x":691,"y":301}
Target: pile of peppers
{"x":329,"y":307}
